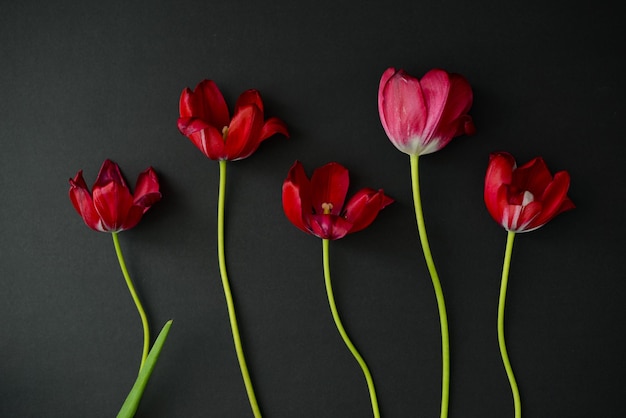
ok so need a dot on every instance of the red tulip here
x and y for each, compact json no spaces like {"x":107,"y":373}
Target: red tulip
{"x":204,"y":118}
{"x":422,"y":116}
{"x":316,"y":206}
{"x":524,"y":198}
{"x":111,"y":207}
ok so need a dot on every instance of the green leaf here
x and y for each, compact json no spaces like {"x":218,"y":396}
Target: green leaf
{"x":134,"y":397}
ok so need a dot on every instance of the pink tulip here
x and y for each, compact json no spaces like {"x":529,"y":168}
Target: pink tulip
{"x":422,"y":116}
{"x":525,"y":198}
{"x":316,"y":206}
{"x":205,"y":120}
{"x":111,"y":207}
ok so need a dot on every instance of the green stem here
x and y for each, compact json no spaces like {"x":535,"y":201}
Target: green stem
{"x":227,"y":292}
{"x":501,"y":342}
{"x":342,"y":331}
{"x":133,"y":293}
{"x":441,"y":305}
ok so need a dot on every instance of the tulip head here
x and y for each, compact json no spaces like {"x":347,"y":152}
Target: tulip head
{"x":422,"y":116}
{"x":110,"y":207}
{"x":316,"y":206}
{"x":205,"y":120}
{"x":525,"y":198}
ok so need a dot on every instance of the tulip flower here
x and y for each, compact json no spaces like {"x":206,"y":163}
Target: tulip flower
{"x":111,"y":207}
{"x":521,"y":199}
{"x":525,"y":198}
{"x":316,"y":206}
{"x":421,"y":117}
{"x":205,"y":120}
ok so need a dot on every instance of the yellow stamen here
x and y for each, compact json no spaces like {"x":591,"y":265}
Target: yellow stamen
{"x":327,"y":207}
{"x":224,"y":132}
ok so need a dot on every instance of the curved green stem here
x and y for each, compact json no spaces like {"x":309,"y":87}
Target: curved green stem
{"x":441,"y":305}
{"x":342,"y":331}
{"x":227,"y":292}
{"x":501,"y":342}
{"x":133,"y":293}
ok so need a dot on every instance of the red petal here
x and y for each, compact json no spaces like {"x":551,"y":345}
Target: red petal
{"x":533,"y":176}
{"x":244,"y":133}
{"x":112,"y":202}
{"x":190,"y":125}
{"x":329,"y":184}
{"x":272,"y":127}
{"x":83,"y":203}
{"x":210,"y":142}
{"x":329,"y":226}
{"x":364,"y":206}
{"x":147,"y":189}
{"x":249,"y":97}
{"x":297,"y":196}
{"x":205,"y":102}
{"x":109,"y":172}
{"x":498,"y":176}
{"x":554,"y":199}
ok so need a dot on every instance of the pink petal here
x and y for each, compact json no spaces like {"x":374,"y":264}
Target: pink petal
{"x":403,"y":110}
{"x":329,"y":184}
{"x":364,"y":206}
{"x":297,"y":196}
{"x":449,"y":97}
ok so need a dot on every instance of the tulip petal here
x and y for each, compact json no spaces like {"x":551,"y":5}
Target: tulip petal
{"x":403,"y":111}
{"x":210,"y":142}
{"x":554,"y":199}
{"x":190,"y":125}
{"x":533,"y":176}
{"x":329,"y":184}
{"x":205,"y":102}
{"x":272,"y":127}
{"x":297,"y":196}
{"x":329,"y":226}
{"x":364,"y":206}
{"x":249,"y":97}
{"x":109,"y":172}
{"x":112,"y":202}
{"x":449,"y":97}
{"x":83,"y":203}
{"x":147,"y":189}
{"x":497,"y":179}
{"x":244,"y":133}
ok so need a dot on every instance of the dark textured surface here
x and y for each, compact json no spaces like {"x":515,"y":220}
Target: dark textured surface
{"x":85,"y":81}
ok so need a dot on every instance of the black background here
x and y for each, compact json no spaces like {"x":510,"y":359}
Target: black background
{"x":84,"y":81}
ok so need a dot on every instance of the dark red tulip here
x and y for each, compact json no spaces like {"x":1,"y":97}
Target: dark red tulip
{"x":205,"y":120}
{"x":525,"y":198}
{"x":111,"y":207}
